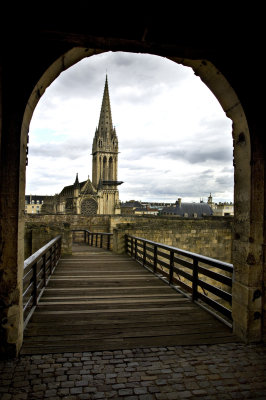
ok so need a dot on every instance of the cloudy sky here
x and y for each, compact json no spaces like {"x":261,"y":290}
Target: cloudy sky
{"x":174,"y":138}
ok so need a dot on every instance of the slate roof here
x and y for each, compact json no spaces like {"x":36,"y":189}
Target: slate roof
{"x":69,"y":190}
{"x":134,"y":203}
{"x":35,"y":198}
{"x":188,"y":210}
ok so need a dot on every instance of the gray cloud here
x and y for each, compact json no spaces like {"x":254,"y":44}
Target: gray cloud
{"x":193,"y":155}
{"x":224,"y":181}
{"x":134,"y":71}
{"x":214,"y":125}
{"x":198,"y":156}
{"x":71,"y":150}
{"x":196,"y":186}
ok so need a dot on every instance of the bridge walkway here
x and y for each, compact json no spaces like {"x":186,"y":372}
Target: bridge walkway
{"x":97,"y":301}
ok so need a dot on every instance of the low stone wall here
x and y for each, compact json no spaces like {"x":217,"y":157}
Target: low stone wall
{"x":211,"y":236}
{"x":99,"y":223}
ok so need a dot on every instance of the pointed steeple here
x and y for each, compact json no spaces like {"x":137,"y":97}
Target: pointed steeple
{"x":105,"y":126}
{"x":76,"y":183}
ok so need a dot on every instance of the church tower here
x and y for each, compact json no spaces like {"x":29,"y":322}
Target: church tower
{"x":105,"y":159}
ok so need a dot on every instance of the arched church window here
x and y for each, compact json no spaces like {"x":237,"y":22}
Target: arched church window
{"x":105,"y":169}
{"x":111,"y":169}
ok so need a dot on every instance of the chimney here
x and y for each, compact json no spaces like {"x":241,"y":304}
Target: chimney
{"x":179,"y":201}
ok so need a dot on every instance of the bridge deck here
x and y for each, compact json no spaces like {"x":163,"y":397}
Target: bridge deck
{"x":96,"y":300}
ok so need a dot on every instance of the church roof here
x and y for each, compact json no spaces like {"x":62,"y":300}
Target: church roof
{"x":87,"y":188}
{"x":69,"y":190}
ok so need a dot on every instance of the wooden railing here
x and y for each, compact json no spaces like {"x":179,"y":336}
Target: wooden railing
{"x":97,"y":239}
{"x":37,"y":271}
{"x":207,"y":281}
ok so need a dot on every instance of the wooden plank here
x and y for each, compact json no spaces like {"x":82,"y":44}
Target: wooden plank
{"x":89,"y":295}
{"x":96,"y":326}
{"x":117,"y":334}
{"x":111,"y":301}
{"x":117,"y":344}
{"x":123,"y":318}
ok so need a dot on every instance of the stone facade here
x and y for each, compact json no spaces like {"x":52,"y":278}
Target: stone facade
{"x":100,"y":196}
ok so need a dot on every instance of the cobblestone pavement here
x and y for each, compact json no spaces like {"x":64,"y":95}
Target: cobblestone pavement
{"x":228,"y":371}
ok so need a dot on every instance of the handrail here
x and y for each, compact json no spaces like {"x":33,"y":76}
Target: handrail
{"x":190,"y":271}
{"x":38,"y":269}
{"x":91,"y":238}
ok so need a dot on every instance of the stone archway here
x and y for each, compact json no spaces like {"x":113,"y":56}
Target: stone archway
{"x":247,"y":250}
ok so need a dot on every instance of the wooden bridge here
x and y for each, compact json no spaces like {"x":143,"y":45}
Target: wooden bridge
{"x":96,"y":300}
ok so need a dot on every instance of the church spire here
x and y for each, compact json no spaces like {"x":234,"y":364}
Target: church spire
{"x":105,"y":127}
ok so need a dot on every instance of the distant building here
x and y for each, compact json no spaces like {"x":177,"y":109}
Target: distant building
{"x":130,"y":206}
{"x":142,"y":207}
{"x":156,"y":205}
{"x":33,"y":203}
{"x":188,"y":210}
{"x":146,"y":211}
{"x":221,"y":209}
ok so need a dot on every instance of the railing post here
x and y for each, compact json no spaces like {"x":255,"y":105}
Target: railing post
{"x":84,"y":236}
{"x":171,"y":271}
{"x":51,"y":260}
{"x":144,"y":254}
{"x":96,"y":244}
{"x":101,"y":241}
{"x":44,"y":269}
{"x":108,"y":241}
{"x":91,"y":238}
{"x":155,"y":258}
{"x":126,"y":243}
{"x":195,"y":280}
{"x":34,"y":294}
{"x":60,"y":247}
{"x":135,"y":249}
{"x":132,"y":247}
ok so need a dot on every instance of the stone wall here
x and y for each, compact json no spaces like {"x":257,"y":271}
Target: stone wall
{"x":211,"y":237}
{"x":38,"y":234}
{"x":40,"y":229}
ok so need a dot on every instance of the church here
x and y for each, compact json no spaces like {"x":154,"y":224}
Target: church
{"x":99,"y":196}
